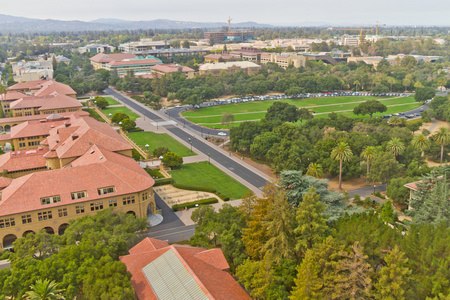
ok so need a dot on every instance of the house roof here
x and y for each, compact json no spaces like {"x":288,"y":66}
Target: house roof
{"x":30,"y":85}
{"x":227,"y":65}
{"x":203,"y":268}
{"x":79,"y":113}
{"x":134,"y":62}
{"x":75,"y":138}
{"x":11,"y":95}
{"x":35,"y":128}
{"x":23,"y":160}
{"x":52,"y":101}
{"x":44,"y":87}
{"x":170,"y":68}
{"x":4,"y":182}
{"x":106,"y":58}
{"x":219,"y":56}
{"x":97,"y":168}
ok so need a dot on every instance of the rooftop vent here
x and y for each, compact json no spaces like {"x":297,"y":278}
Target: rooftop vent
{"x":92,"y":151}
{"x":74,"y":136}
{"x":101,"y":157}
{"x":67,"y":124}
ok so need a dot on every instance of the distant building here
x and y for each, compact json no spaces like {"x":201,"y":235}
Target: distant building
{"x":215,"y":58}
{"x":41,"y":105}
{"x":230,"y":68}
{"x":124,"y":62}
{"x":171,"y":53}
{"x":370,"y":60}
{"x":100,"y":60}
{"x":425,"y":58}
{"x":143,"y":45}
{"x":230,"y":37}
{"x":247,"y":53}
{"x":284,"y":60}
{"x":162,"y":271}
{"x":24,"y":71}
{"x":96,"y":48}
{"x":163,"y":69}
{"x":350,"y":40}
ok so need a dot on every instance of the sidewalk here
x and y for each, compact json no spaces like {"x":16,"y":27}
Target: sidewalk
{"x":185,"y":215}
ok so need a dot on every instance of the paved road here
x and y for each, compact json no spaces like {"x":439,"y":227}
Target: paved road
{"x":201,"y":146}
{"x":172,"y":235}
{"x":367,"y":192}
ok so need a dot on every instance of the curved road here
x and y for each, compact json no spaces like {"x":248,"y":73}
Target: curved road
{"x":238,"y":169}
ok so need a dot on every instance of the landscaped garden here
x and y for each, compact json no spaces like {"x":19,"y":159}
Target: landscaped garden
{"x":112,"y":110}
{"x":255,"y":111}
{"x":203,"y":174}
{"x":155,"y":140}
{"x":111,"y":101}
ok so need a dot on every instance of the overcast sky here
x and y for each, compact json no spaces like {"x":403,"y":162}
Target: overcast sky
{"x":276,"y":12}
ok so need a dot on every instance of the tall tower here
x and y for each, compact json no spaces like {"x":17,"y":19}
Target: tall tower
{"x":229,"y":24}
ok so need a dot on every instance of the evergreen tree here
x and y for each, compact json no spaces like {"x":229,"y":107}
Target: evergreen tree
{"x":387,"y":212}
{"x":307,"y":284}
{"x":311,"y":226}
{"x":393,"y":277}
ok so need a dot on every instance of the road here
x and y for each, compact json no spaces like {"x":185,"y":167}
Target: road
{"x":236,"y":168}
{"x":172,"y":235}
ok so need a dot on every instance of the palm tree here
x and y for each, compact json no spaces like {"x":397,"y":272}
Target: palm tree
{"x":421,"y":142}
{"x":396,"y":146}
{"x":368,"y":153}
{"x":442,"y":137}
{"x":315,"y":169}
{"x":341,"y":152}
{"x":391,"y":81}
{"x":356,"y":83}
{"x":44,"y":290}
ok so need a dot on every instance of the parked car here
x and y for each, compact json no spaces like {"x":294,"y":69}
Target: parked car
{"x":222,"y":133}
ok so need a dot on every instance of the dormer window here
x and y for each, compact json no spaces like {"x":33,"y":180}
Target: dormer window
{"x":79,"y":195}
{"x":106,"y":190}
{"x":50,"y":200}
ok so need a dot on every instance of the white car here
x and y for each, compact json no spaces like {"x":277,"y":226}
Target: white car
{"x":222,"y":133}
{"x":178,"y":106}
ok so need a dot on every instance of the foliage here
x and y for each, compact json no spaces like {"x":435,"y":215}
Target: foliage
{"x":160,"y":151}
{"x":172,"y":160}
{"x":424,"y":94}
{"x":387,"y":212}
{"x":283,"y":112}
{"x":227,"y":118}
{"x":384,"y":167}
{"x":192,"y":204}
{"x":369,"y":108}
{"x":128,"y":124}
{"x":100,"y":102}
{"x":119,"y":117}
{"x":397,"y":191}
{"x":44,"y":290}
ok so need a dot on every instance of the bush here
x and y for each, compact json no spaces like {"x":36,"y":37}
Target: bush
{"x":378,"y":194}
{"x":163,"y":181}
{"x":135,"y":154}
{"x":154,"y":173}
{"x":160,"y":151}
{"x":128,"y":124}
{"x":172,"y":160}
{"x":357,"y":199}
{"x":223,"y":197}
{"x":192,"y":204}
{"x":368,"y":201}
{"x":194,"y":188}
{"x":118,"y":117}
{"x":101,"y":102}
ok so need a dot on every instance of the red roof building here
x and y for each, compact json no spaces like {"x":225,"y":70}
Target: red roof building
{"x":164,"y":69}
{"x":163,"y":271}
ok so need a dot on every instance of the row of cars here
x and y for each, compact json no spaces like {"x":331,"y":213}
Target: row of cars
{"x":402,"y":115}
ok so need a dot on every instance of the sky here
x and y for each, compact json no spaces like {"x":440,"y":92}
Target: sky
{"x":275,"y":12}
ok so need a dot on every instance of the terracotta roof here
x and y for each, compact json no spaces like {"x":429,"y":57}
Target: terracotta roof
{"x":170,"y":68}
{"x":4,"y":182}
{"x":53,"y":101}
{"x":5,"y":137}
{"x":88,"y":132}
{"x":80,"y":113}
{"x":205,"y":266}
{"x":106,"y":58}
{"x":35,"y":128}
{"x":13,"y":95}
{"x":219,"y":56}
{"x":148,"y":244}
{"x":98,"y":169}
{"x":23,"y":160}
{"x":134,"y":62}
{"x":30,"y":85}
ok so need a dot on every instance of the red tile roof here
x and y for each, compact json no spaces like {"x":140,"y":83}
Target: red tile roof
{"x":13,"y":95}
{"x":97,"y":169}
{"x":53,"y":101}
{"x":80,"y":113}
{"x":30,"y":85}
{"x":23,"y":160}
{"x":106,"y":58}
{"x":205,"y":266}
{"x":44,"y":87}
{"x":88,"y":132}
{"x":4,"y":182}
{"x":134,"y":62}
{"x":170,"y":68}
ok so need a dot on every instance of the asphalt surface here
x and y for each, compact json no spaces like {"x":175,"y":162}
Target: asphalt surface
{"x":175,"y":234}
{"x":201,"y":146}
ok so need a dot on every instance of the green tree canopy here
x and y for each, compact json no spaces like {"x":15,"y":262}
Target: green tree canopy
{"x":369,"y":108}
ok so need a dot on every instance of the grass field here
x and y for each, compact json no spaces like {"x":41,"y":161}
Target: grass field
{"x":122,"y":109}
{"x":204,"y":174}
{"x":111,"y":101}
{"x":94,"y":114}
{"x":155,"y":140}
{"x":253,"y":111}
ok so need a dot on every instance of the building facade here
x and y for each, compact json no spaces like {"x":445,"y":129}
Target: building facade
{"x":229,"y":68}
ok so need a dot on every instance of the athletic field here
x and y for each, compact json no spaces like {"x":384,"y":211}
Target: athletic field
{"x":254,"y":111}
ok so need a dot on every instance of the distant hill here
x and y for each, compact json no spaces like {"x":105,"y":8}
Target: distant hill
{"x":12,"y":24}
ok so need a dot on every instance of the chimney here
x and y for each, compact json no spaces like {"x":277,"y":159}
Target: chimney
{"x":74,"y":136}
{"x":67,"y":124}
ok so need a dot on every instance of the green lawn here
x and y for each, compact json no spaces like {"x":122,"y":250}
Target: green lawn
{"x":155,"y":140}
{"x":111,"y":101}
{"x":94,"y":114}
{"x":204,"y":174}
{"x":252,"y":111}
{"x":122,"y":109}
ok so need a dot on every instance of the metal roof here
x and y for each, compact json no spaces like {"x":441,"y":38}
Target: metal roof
{"x":170,"y":279}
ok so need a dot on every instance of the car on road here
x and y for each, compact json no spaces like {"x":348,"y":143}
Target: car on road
{"x":178,"y":106}
{"x":222,"y":133}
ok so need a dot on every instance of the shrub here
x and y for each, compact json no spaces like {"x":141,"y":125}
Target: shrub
{"x":192,"y":204}
{"x":135,"y":154}
{"x":160,"y":151}
{"x":118,"y":117}
{"x":172,"y":160}
{"x":128,"y":124}
{"x":194,"y":188}
{"x":101,"y":102}
{"x":357,"y":199}
{"x":378,"y":194}
{"x":154,"y":173}
{"x":368,"y":201}
{"x":163,"y":181}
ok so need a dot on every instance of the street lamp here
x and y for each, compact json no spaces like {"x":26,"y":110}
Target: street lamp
{"x":209,"y":158}
{"x":110,"y":115}
{"x":374,"y":188}
{"x":146,"y":146}
{"x":190,"y":141}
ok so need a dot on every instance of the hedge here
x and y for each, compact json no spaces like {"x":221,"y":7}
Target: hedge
{"x":223,"y":197}
{"x":192,"y":204}
{"x":194,"y":188}
{"x":163,"y":181}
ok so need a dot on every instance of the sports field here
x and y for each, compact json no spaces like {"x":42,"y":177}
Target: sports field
{"x":254,"y":111}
